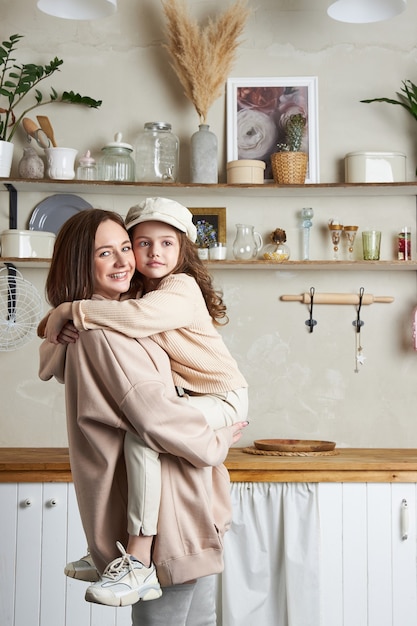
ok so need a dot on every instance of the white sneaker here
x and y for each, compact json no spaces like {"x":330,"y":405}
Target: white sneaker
{"x":84,"y":569}
{"x":125,"y":581}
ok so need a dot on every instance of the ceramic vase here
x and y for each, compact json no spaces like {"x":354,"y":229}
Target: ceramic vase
{"x":6,"y":157}
{"x":61,"y":163}
{"x":31,"y":164}
{"x":203,"y":156}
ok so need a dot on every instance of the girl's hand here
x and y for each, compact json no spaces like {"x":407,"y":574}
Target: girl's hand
{"x":237,"y":430}
{"x":56,"y":321}
{"x":69,"y":334}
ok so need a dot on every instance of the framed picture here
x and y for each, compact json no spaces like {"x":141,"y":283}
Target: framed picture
{"x":256,"y":110}
{"x":211,"y":224}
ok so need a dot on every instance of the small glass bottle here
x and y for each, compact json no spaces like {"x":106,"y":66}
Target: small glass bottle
{"x":404,"y":244}
{"x":116,"y":162}
{"x":87,"y":168}
{"x":277,"y":251}
{"x":157,"y":154}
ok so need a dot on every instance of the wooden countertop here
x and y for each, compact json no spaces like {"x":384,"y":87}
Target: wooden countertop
{"x":28,"y":465}
{"x":381,"y":465}
{"x":348,"y":465}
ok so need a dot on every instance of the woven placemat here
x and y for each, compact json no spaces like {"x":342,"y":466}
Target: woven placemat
{"x":253,"y":450}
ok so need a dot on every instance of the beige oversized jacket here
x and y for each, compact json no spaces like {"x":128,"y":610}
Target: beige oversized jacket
{"x":114,"y":384}
{"x":176,"y":317}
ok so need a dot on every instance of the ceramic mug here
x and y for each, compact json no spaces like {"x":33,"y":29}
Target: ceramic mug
{"x":61,"y":163}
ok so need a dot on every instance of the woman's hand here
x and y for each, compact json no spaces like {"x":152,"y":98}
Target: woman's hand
{"x":69,"y":334}
{"x":237,"y":430}
{"x":56,"y":321}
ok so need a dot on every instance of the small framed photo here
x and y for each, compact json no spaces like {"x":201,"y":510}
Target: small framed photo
{"x":256,"y":110}
{"x":211,"y":225}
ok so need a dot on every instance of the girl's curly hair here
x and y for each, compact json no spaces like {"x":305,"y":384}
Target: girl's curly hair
{"x":190,"y":263}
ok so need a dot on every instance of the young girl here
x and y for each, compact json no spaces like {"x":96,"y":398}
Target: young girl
{"x":178,"y":307}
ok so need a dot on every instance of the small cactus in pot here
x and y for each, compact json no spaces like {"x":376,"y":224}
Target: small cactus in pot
{"x":294,"y":133}
{"x":289,"y":163}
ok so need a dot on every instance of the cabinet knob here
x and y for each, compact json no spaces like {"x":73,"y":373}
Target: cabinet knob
{"x":28,"y":502}
{"x":53,"y":502}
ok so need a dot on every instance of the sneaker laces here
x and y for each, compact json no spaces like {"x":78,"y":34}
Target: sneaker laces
{"x":114,"y":568}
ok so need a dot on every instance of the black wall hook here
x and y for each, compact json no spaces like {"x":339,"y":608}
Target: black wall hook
{"x":11,"y":292}
{"x":358,"y":322}
{"x":310,"y":322}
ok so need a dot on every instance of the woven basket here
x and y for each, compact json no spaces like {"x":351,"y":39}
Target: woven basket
{"x":289,"y":168}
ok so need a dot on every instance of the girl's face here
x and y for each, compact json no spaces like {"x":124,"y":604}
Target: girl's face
{"x":114,"y":261}
{"x":156,"y":246}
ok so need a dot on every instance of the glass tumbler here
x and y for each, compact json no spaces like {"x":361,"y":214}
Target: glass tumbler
{"x":371,"y":242}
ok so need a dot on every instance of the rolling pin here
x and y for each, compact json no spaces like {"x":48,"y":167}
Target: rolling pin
{"x":336,"y":298}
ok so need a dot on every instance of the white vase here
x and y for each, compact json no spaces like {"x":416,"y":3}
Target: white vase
{"x":61,"y":162}
{"x":6,"y":157}
{"x":203,"y":156}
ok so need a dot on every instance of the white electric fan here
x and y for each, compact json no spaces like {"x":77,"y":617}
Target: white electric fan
{"x":20,"y":309}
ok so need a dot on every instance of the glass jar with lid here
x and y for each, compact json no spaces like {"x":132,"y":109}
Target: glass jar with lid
{"x":117,"y":163}
{"x":157,"y":154}
{"x":87,"y":168}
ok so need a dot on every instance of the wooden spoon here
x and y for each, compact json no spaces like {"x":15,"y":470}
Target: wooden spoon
{"x":37,"y":133}
{"x":46,"y":126}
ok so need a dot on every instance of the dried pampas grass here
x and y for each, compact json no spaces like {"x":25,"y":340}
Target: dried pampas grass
{"x":202,"y":56}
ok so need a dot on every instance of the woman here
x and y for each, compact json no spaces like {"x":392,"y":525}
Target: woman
{"x":114,"y":385}
{"x":178,"y":307}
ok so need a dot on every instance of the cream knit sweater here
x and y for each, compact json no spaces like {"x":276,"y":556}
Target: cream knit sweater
{"x":175,"y":316}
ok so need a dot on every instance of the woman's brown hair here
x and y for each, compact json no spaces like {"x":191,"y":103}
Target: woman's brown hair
{"x":71,"y":275}
{"x":190,"y":263}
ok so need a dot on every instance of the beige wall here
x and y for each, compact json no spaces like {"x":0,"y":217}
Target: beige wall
{"x":301,"y":384}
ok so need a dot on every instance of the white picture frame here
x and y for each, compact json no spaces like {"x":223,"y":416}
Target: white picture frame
{"x":259,"y":103}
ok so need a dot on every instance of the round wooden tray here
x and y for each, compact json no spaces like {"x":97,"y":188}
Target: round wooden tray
{"x":294,"y":445}
{"x":253,"y":450}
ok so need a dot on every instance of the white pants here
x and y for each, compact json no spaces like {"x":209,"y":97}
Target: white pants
{"x":142,"y":463}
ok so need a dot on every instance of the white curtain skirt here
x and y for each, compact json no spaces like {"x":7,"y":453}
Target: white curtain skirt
{"x":271,"y":575}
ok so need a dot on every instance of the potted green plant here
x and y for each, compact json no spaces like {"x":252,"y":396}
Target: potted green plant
{"x":407,"y":98}
{"x":17,"y":80}
{"x":289,"y":163}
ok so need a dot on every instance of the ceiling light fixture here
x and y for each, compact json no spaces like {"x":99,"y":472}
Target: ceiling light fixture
{"x":78,"y":9}
{"x":365,"y":11}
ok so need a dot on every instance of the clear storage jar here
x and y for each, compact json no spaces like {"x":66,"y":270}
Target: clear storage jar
{"x":117,"y":163}
{"x":87,"y":168}
{"x":157,"y":154}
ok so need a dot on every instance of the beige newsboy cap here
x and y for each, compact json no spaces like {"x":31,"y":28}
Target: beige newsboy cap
{"x":162,"y":210}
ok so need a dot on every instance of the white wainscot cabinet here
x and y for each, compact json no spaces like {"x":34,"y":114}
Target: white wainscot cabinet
{"x":365,"y":574}
{"x":40,"y":531}
{"x":368,"y":554}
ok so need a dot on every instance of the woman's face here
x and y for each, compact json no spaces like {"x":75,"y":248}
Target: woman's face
{"x":156,"y":246}
{"x":114,"y":261}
